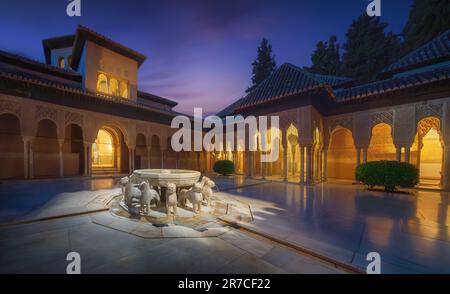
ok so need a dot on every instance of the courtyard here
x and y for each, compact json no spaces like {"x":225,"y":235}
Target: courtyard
{"x":270,"y":227}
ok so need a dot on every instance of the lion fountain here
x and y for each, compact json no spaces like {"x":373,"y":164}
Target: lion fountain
{"x":145,"y":189}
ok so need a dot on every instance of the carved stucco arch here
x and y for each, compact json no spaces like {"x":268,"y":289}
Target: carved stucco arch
{"x":429,"y":110}
{"x":11,"y":107}
{"x":336,"y":124}
{"x":424,"y":125}
{"x":383,"y":117}
{"x":111,"y":124}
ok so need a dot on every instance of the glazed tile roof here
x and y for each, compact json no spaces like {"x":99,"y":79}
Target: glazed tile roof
{"x":155,"y":98}
{"x":229,"y":110}
{"x":333,"y":81}
{"x":84,"y":34}
{"x":413,"y":78}
{"x":425,"y":65}
{"x":287,"y":80}
{"x":34,"y":65}
{"x":438,"y":48}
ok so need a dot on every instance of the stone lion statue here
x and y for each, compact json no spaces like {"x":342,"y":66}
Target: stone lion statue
{"x":171,"y":198}
{"x":207,"y":191}
{"x":148,"y":195}
{"x":195,"y":196}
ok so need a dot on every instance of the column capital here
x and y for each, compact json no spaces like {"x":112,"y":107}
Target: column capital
{"x":28,"y":138}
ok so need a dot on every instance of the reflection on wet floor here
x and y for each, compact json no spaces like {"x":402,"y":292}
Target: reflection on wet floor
{"x":411,"y":228}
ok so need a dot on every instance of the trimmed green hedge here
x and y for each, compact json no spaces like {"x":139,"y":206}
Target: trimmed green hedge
{"x":224,"y":167}
{"x":387,"y":173}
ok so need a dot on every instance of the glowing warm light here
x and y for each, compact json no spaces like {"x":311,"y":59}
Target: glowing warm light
{"x":431,"y":156}
{"x":112,"y":86}
{"x":381,"y":144}
{"x":341,"y":157}
{"x":293,"y":151}
{"x":103,"y":150}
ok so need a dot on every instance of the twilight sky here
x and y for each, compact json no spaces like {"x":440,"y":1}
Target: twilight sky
{"x":199,"y":52}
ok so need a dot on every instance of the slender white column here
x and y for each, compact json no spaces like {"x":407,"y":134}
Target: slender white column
{"x":446,"y":167}
{"x":364,"y":154}
{"x":358,"y":156}
{"x":162,"y":158}
{"x":325,"y":163}
{"x":285,"y":169}
{"x":130,"y":159}
{"x":31,"y":158}
{"x":85,"y":158}
{"x":148,"y":157}
{"x":302,"y":164}
{"x":89,"y":158}
{"x":398,"y":154}
{"x":25,"y":157}
{"x":61,"y":158}
{"x":407,"y":154}
{"x":308,"y":164}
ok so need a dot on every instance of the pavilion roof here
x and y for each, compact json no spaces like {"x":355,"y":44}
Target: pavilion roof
{"x":438,"y":49}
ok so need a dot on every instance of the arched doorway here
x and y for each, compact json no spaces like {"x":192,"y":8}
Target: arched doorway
{"x":317,"y":155}
{"x":381,"y":145}
{"x":109,"y":152}
{"x":341,"y":156}
{"x":293,"y":151}
{"x":46,"y":150}
{"x":73,"y":151}
{"x":11,"y":147}
{"x":426,"y":151}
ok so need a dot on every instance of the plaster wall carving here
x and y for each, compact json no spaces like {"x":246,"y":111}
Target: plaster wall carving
{"x":43,"y":112}
{"x":10,"y":107}
{"x":404,"y":127}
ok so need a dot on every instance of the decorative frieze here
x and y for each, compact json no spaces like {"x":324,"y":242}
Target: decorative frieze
{"x":428,"y":110}
{"x":345,"y":122}
{"x":10,"y":107}
{"x":43,"y":112}
{"x":73,"y":118}
{"x":386,"y":117}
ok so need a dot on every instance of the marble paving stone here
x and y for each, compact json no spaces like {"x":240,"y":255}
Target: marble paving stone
{"x":35,"y":250}
{"x":124,"y":225}
{"x":291,"y":262}
{"x":103,"y":218}
{"x":247,"y":243}
{"x":147,"y":231}
{"x":249,"y":264}
{"x":175,"y":231}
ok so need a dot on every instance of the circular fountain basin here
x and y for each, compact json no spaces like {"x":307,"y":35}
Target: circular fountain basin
{"x":160,"y":177}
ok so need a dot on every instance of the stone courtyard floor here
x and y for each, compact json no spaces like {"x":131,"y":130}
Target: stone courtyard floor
{"x":258,"y":227}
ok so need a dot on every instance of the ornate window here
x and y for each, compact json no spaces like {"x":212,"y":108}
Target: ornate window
{"x":112,"y":86}
{"x":123,"y":89}
{"x":61,"y":62}
{"x":102,"y":84}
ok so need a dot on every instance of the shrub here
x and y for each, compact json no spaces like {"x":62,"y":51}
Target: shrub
{"x":224,"y":167}
{"x":387,"y":173}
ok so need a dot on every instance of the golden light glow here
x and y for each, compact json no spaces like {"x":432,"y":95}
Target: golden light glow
{"x":341,"y":155}
{"x":103,"y":149}
{"x":431,"y":156}
{"x":293,"y":151}
{"x":381,"y":144}
{"x":112,"y":86}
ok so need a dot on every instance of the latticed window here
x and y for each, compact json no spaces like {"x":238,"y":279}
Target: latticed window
{"x":61,"y":62}
{"x":112,"y":86}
